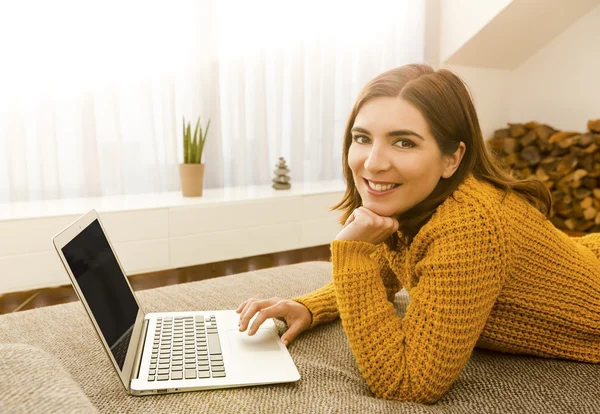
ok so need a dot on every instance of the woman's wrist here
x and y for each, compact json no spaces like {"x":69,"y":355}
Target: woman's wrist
{"x":352,"y":256}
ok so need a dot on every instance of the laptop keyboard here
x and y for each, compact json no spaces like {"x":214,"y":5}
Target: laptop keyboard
{"x":186,"y":348}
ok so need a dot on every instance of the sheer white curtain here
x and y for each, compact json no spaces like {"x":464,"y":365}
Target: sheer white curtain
{"x":289,"y":73}
{"x":92,"y":92}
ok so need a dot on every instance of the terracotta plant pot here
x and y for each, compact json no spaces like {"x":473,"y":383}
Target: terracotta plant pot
{"x":192,"y":179}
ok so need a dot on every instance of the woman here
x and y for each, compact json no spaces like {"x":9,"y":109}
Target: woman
{"x":427,"y":209}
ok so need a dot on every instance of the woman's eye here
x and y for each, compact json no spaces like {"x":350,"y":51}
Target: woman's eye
{"x":361,"y":139}
{"x":404,"y":143}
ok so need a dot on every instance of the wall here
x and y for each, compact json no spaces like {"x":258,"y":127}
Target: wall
{"x":560,"y":84}
{"x":490,"y":89}
{"x":462,"y":19}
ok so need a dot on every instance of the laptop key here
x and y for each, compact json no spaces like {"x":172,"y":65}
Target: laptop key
{"x":204,"y":374}
{"x":190,"y":373}
{"x":151,"y":378}
{"x":216,"y":363}
{"x":163,"y":377}
{"x":214,"y":345}
{"x":216,"y":369}
{"x":216,"y":358}
{"x":176,"y":375}
{"x":218,"y":374}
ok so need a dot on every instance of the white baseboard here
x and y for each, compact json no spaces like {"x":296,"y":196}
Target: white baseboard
{"x":155,"y":232}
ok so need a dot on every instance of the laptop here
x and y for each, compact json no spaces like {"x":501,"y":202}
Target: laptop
{"x":168,"y":352}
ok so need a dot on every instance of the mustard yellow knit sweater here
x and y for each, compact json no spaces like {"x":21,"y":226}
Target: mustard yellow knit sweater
{"x":482,"y":272}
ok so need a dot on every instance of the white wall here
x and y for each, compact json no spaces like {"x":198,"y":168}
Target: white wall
{"x":560,"y":84}
{"x":490,"y":89}
{"x":461,"y":19}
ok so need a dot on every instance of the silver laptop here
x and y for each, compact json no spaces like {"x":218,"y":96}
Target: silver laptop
{"x":164,"y":352}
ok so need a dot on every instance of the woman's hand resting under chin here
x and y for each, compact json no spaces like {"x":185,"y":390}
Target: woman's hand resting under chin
{"x":364,"y":225}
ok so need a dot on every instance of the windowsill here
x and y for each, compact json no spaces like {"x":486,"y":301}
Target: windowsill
{"x":75,"y":206}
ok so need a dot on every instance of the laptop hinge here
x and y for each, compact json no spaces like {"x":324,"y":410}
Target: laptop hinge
{"x":140,"y":349}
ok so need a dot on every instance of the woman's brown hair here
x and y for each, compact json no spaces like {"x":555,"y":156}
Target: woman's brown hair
{"x":444,"y":101}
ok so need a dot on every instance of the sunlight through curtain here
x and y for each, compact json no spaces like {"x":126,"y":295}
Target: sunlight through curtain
{"x":92,"y":93}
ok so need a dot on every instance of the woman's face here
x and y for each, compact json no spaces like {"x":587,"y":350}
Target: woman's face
{"x":395,"y":161}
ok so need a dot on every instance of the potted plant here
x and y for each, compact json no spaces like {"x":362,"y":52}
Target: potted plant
{"x":192,"y":169}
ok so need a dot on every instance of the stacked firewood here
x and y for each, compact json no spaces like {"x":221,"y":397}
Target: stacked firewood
{"x":567,"y":162}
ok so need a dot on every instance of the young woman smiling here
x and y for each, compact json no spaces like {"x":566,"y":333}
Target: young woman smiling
{"x":427,"y":209}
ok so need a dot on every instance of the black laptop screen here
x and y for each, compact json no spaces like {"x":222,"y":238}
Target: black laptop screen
{"x":104,"y":287}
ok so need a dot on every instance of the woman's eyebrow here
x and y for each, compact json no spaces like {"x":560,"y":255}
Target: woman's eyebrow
{"x":398,"y":133}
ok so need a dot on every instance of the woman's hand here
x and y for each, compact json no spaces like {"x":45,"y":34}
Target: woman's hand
{"x":364,"y":225}
{"x":296,"y":316}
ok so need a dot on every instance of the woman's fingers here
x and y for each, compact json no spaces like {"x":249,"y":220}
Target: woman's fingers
{"x":266,"y":313}
{"x":294,"y":314}
{"x":241,"y":307}
{"x":251,"y":308}
{"x":293,"y":331}
{"x":350,"y":219}
{"x":395,"y":224}
{"x":245,"y":307}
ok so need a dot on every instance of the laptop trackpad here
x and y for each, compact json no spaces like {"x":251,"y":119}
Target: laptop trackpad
{"x":262,"y":341}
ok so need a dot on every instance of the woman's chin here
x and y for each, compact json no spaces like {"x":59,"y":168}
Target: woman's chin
{"x":380,"y":210}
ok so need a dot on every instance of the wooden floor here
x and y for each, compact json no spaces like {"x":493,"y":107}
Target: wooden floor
{"x":19,"y":301}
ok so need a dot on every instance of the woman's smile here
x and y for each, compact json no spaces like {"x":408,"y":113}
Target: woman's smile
{"x":379,"y":189}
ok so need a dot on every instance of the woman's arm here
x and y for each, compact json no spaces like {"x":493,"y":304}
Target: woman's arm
{"x":417,"y":358}
{"x":322,"y":303}
{"x":591,"y":241}
{"x":390,"y":282}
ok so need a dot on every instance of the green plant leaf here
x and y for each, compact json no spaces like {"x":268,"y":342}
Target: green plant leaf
{"x":192,"y":144}
{"x":203,"y":137}
{"x":186,"y":145}
{"x":197,"y":139}
{"x":200,"y":147}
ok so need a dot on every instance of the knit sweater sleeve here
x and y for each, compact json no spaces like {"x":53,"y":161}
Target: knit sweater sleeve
{"x":418,"y":357}
{"x":590,"y":241}
{"x":322,"y":303}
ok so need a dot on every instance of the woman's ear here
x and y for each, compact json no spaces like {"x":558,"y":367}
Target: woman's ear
{"x":453,"y":161}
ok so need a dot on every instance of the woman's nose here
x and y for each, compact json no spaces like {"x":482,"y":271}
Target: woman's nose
{"x":377,"y":160}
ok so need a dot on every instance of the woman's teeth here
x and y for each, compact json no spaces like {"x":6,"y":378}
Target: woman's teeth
{"x":381,"y":187}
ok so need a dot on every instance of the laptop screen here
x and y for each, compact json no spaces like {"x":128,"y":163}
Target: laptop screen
{"x":104,"y":287}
